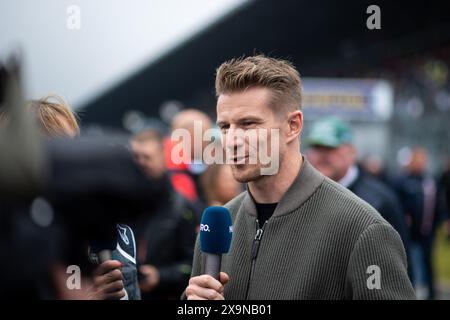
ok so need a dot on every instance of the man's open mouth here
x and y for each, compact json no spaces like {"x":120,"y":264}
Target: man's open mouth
{"x":238,"y":160}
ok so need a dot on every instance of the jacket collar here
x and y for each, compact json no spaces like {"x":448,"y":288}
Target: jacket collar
{"x":304,"y":185}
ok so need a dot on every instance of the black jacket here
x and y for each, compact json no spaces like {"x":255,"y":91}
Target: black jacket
{"x":444,"y":187}
{"x":410,"y":191}
{"x":166,"y":240}
{"x":383,"y":199}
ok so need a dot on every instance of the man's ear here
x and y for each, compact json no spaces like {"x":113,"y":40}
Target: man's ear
{"x":295,"y":125}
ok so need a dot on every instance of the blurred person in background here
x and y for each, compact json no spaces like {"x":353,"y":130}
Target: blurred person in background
{"x":332,"y":152}
{"x":444,"y":184}
{"x":373,"y":165}
{"x":112,"y":279}
{"x":185,"y":176}
{"x":166,"y":239}
{"x":219,"y":185}
{"x":55,"y":119}
{"x":418,"y":192}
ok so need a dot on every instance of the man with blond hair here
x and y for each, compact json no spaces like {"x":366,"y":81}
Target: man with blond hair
{"x":296,"y":233}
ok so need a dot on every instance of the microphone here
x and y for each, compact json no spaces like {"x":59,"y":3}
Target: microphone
{"x":103,"y":248}
{"x":216,"y":229}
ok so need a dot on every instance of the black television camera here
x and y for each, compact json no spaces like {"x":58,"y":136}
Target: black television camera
{"x":57,"y":195}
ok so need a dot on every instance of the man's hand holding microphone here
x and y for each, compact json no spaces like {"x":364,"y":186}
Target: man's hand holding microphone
{"x":215,"y":239}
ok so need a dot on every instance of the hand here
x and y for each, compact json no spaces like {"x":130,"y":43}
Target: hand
{"x":205,"y":287}
{"x":108,"y":282}
{"x":151,"y":278}
{"x":62,"y":290}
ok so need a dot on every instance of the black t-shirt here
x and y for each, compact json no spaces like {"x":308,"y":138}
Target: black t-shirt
{"x":265,"y":211}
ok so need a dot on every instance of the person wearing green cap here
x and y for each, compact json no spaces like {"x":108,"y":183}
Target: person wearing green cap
{"x":332,"y":152}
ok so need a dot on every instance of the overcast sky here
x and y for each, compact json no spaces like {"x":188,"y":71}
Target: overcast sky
{"x":116,"y":38}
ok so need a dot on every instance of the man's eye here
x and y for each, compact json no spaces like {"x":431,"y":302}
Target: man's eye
{"x":248,"y":123}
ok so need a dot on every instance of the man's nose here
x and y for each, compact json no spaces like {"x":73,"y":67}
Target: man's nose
{"x":234,"y":138}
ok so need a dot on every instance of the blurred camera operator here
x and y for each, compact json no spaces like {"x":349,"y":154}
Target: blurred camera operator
{"x":112,"y":279}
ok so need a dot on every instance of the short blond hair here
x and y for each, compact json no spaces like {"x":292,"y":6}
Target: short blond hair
{"x":278,"y":75}
{"x":53,"y":117}
{"x":50,"y":111}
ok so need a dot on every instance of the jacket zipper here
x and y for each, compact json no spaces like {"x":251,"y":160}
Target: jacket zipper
{"x":255,"y":249}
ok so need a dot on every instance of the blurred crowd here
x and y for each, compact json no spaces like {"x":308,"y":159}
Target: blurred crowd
{"x":412,"y":200}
